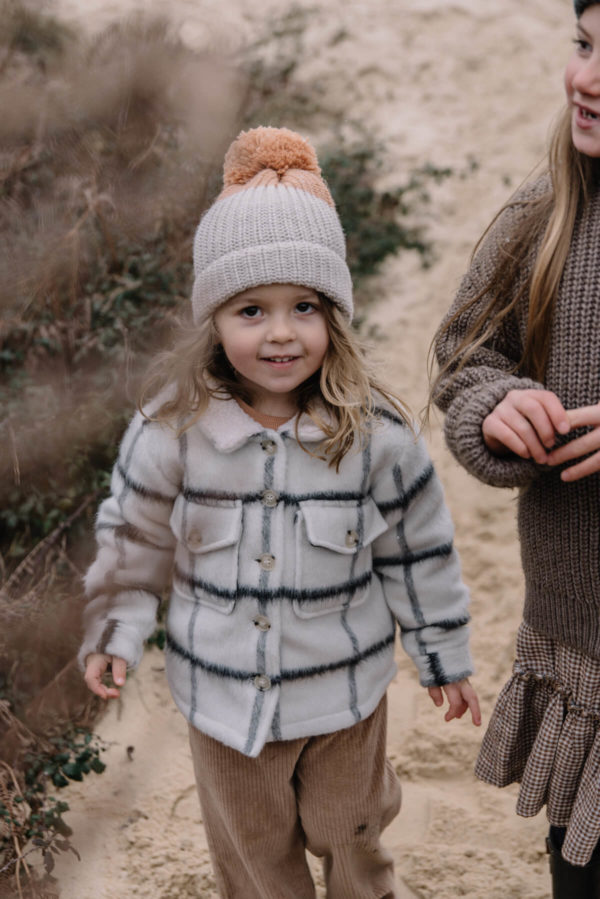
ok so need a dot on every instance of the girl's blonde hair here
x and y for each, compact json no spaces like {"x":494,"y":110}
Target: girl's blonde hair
{"x":548,"y":222}
{"x":340,"y":398}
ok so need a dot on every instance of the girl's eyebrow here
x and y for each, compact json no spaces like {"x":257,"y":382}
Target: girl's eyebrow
{"x":581,"y":31}
{"x":255,"y":298}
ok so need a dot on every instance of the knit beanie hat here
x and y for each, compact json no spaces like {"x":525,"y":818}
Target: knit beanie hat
{"x":274,"y":222}
{"x":582,"y":5}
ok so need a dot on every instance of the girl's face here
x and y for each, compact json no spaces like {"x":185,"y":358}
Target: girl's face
{"x":275,"y":336}
{"x":582,"y":83}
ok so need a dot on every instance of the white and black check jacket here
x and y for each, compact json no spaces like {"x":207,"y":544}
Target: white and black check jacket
{"x":287,"y":578}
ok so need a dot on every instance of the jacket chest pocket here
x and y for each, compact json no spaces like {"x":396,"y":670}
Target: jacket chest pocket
{"x":206,"y":561}
{"x":333,"y":555}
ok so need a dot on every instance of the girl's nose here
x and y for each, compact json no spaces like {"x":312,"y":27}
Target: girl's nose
{"x":281,"y":329}
{"x":587,"y":78}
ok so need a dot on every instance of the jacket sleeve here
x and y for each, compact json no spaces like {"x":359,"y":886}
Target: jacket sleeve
{"x":419,"y":567}
{"x":489,"y":374}
{"x":135,"y":544}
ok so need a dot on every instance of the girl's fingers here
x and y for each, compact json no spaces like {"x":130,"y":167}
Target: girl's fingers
{"x":557,"y":416}
{"x":119,"y":671}
{"x":472,"y":701}
{"x":526,"y":430}
{"x":584,"y":416}
{"x":582,"y":469}
{"x":515,"y":432}
{"x":93,"y":679}
{"x":498,"y":435}
{"x":436,"y":695}
{"x":526,"y":423}
{"x":581,"y":446}
{"x":456,"y":710}
{"x":539,"y":412}
{"x":96,"y":667}
{"x":461,"y":697}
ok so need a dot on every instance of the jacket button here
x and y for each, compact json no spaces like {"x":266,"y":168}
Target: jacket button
{"x":194,"y":538}
{"x":351,"y":538}
{"x":266,"y":561}
{"x":262,"y":682}
{"x":269,"y":446}
{"x":262,"y":623}
{"x":270,"y":499}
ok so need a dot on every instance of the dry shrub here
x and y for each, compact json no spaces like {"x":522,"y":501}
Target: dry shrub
{"x":107,"y":158}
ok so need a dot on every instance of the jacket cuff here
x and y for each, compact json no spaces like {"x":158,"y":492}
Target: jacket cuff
{"x":451,"y":664}
{"x":115,"y":639}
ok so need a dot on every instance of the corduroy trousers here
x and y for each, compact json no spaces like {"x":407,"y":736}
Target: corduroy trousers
{"x":330,"y":794}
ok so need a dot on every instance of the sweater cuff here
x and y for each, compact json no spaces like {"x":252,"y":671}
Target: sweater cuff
{"x":464,"y":434}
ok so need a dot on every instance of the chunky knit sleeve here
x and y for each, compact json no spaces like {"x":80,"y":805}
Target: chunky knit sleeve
{"x":419,"y":567}
{"x":489,"y":374}
{"x":135,"y":544}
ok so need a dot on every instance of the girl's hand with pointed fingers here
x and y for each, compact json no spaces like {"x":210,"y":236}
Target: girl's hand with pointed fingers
{"x":96,"y":666}
{"x":461,"y":696}
{"x":526,"y":423}
{"x":583,"y":417}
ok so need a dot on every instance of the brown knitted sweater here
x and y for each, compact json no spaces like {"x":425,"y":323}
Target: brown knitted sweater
{"x":558,"y":522}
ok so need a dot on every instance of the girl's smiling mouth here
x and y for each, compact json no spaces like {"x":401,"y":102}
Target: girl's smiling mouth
{"x":585,"y":114}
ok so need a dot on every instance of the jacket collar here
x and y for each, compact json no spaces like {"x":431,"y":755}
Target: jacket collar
{"x":228,"y":427}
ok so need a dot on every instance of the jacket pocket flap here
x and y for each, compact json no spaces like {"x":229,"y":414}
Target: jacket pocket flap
{"x":205,"y":528}
{"x":342,"y":527}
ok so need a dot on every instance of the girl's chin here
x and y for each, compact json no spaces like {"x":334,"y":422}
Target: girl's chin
{"x":586,"y":142}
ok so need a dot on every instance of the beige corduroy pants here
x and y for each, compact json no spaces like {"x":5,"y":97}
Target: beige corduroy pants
{"x":330,"y":794}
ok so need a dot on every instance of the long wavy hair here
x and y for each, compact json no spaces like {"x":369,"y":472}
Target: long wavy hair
{"x":341,"y":398}
{"x":547,"y":224}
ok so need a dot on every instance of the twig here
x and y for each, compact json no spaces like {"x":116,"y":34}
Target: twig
{"x":13,"y":451}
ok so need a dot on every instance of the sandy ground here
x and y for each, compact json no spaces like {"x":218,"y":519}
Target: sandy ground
{"x":470,"y":84}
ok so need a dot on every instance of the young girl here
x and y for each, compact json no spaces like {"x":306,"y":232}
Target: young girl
{"x":519,"y":379}
{"x":289,"y":504}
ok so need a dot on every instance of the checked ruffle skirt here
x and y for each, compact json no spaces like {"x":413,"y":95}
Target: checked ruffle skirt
{"x":545,"y":734}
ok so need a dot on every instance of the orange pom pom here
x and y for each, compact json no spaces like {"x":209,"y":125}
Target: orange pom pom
{"x":267,"y":148}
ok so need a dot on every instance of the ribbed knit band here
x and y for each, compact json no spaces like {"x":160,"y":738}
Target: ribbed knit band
{"x":582,"y":5}
{"x":269,"y":235}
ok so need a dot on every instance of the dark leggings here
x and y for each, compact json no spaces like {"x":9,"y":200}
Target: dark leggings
{"x":557,"y":838}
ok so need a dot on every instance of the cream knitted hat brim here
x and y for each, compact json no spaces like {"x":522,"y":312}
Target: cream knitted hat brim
{"x":274,"y":223}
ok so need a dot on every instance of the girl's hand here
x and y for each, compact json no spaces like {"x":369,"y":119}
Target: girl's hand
{"x":584,"y":417}
{"x":96,"y":665}
{"x":461,"y":696}
{"x":526,"y":422}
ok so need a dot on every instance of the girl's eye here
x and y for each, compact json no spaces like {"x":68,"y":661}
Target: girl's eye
{"x":582,"y":45}
{"x":305,"y":306}
{"x":250,"y":311}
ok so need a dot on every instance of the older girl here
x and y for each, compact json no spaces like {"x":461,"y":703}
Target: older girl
{"x":519,"y":380}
